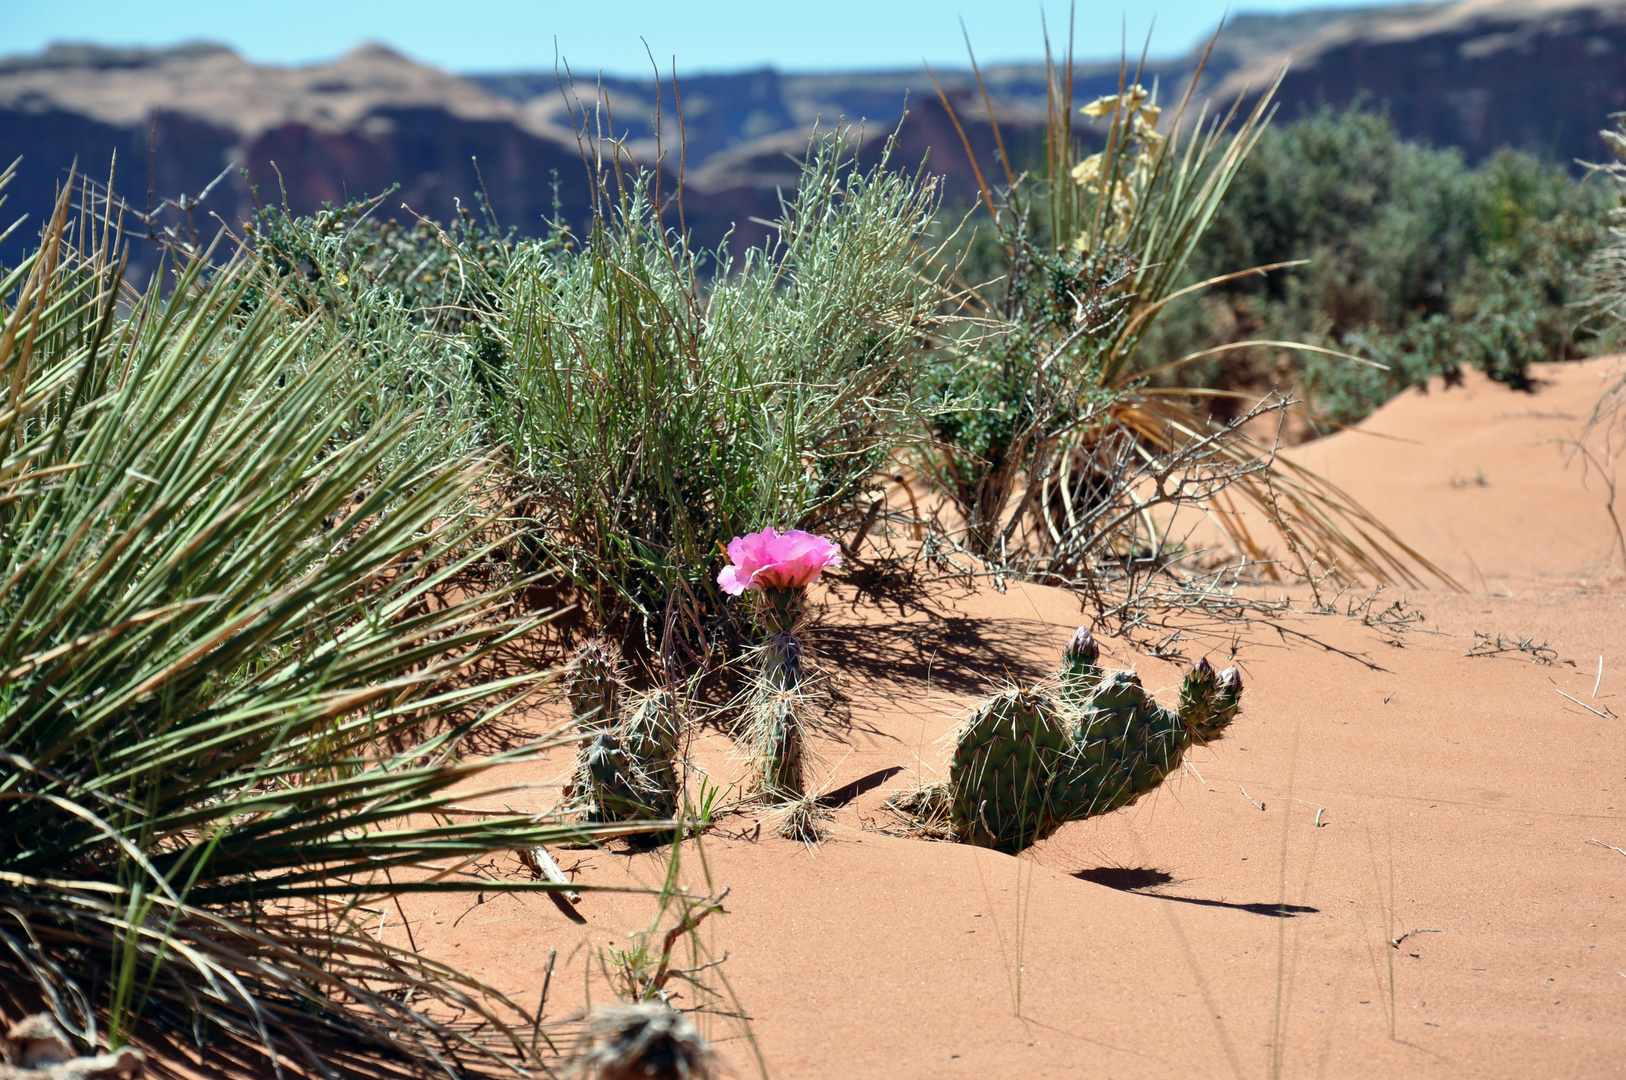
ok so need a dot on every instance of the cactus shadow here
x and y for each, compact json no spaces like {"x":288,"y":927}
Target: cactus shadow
{"x":841,"y":796}
{"x":1137,"y":879}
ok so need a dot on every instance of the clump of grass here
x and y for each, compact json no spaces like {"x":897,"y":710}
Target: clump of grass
{"x":648,"y":400}
{"x":799,"y":820}
{"x":656,"y":400}
{"x":923,"y":811}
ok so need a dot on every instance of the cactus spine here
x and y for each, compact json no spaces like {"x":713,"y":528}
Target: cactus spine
{"x":626,"y":770}
{"x":1023,"y":766}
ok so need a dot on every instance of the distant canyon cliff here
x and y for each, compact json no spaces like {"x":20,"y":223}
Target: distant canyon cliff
{"x":1539,"y":75}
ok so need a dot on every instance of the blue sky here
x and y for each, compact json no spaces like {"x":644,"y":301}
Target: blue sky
{"x":704,"y":35}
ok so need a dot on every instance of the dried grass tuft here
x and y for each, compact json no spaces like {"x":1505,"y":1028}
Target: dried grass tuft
{"x":642,"y":1041}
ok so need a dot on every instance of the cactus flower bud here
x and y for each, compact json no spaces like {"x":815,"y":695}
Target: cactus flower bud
{"x":1082,"y":646}
{"x":1079,"y":673}
{"x":1231,"y":680}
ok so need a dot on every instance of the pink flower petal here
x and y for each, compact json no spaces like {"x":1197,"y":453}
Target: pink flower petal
{"x":791,"y":560}
{"x":731,"y":582}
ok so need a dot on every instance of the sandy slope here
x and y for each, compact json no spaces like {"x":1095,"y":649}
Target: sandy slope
{"x":1485,"y":481}
{"x":1455,"y":795}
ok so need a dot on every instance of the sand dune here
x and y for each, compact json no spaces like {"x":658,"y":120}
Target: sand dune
{"x":1487,"y":481}
{"x":1379,"y":787}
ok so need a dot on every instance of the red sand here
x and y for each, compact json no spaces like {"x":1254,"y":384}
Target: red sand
{"x":1455,"y":796}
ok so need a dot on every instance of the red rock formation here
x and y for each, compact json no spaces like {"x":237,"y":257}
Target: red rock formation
{"x":1539,"y":75}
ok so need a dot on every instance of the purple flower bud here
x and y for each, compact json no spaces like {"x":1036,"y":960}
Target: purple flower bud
{"x":1081,"y":645}
{"x":1203,"y":670}
{"x":1231,"y":680}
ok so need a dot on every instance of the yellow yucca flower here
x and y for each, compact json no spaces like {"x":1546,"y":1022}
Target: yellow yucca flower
{"x":1102,"y":106}
{"x":1087,"y":170}
{"x":1131,"y":99}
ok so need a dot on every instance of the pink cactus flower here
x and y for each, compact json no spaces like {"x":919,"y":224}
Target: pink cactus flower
{"x":774,"y":560}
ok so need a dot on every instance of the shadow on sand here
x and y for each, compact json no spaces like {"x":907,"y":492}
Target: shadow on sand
{"x":1139,"y":879}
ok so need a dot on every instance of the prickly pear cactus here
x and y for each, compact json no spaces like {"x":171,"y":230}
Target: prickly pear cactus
{"x":1123,"y":743}
{"x":1001,"y":779}
{"x":1026,"y":764}
{"x":1080,"y":668}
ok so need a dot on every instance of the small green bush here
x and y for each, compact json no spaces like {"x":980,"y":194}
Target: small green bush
{"x":650,"y":416}
{"x":1415,"y":260}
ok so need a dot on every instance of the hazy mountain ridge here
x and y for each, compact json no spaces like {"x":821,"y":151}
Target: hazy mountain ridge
{"x":1539,"y":74}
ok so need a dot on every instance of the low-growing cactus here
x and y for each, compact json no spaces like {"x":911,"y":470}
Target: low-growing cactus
{"x":626,"y":770}
{"x":779,"y":567}
{"x":631,"y":766}
{"x":596,"y":685}
{"x":1023,"y":766}
{"x":1002,"y":775}
{"x":1209,"y":702}
{"x":776,"y":712}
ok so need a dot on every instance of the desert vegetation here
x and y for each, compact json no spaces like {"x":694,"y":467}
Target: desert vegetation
{"x":288,"y":531}
{"x":1412,"y":259}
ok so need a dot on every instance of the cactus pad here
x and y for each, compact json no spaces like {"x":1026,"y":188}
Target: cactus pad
{"x":1025,"y":764}
{"x":1123,"y":745}
{"x":1001,"y":777}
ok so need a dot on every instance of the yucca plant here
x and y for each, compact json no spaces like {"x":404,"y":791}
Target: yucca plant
{"x":1058,"y":456}
{"x":229,"y":582}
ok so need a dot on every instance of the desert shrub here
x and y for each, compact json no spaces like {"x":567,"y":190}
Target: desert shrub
{"x":649,"y":400}
{"x":1062,"y":455}
{"x":226,"y":594}
{"x":656,"y":401}
{"x":403,"y":303}
{"x":1414,"y":260}
{"x":1080,"y":257}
